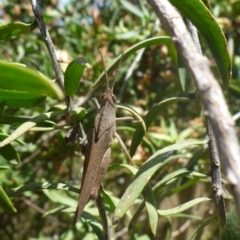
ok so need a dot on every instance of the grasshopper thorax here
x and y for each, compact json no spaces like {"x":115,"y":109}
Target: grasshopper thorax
{"x":108,"y":96}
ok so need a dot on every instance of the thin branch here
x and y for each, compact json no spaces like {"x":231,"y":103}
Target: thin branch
{"x":51,"y":50}
{"x":216,"y":179}
{"x":215,"y":163}
{"x":211,"y":94}
{"x":48,"y":41}
{"x":49,"y":44}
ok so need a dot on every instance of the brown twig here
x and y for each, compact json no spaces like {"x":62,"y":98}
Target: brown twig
{"x":211,"y":94}
{"x":216,"y":179}
{"x":215,"y":163}
{"x":51,"y":50}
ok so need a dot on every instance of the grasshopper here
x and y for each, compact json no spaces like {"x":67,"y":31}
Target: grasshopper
{"x":98,"y":149}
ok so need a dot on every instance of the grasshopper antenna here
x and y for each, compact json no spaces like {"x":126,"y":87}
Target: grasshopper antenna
{"x":117,"y":70}
{"x":104,"y":67}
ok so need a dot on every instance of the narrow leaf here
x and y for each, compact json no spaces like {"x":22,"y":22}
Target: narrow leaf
{"x":145,"y":43}
{"x":139,"y":182}
{"x":42,"y":185}
{"x":149,"y":200}
{"x":133,"y":112}
{"x":204,"y":21}
{"x":148,"y":119}
{"x":183,"y":207}
{"x":150,"y":204}
{"x":198,"y":233}
{"x":28,"y":125}
{"x":144,"y":174}
{"x":5,"y":202}
{"x":132,"y":8}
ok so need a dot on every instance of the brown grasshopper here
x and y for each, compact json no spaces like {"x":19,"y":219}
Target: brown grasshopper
{"x":98,"y":149}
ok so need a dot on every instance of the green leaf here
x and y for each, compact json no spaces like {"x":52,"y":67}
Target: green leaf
{"x":148,"y":119}
{"x":151,"y":207}
{"x":204,"y":21}
{"x":28,"y":125}
{"x":149,"y":200}
{"x":14,"y":29}
{"x":59,"y":197}
{"x":183,"y":207}
{"x":73,"y":75}
{"x":59,"y":209}
{"x":15,"y":77}
{"x":133,"y":112}
{"x":141,"y":206}
{"x":138,"y":183}
{"x":42,"y":185}
{"x":132,"y":8}
{"x":3,"y":136}
{"x":185,"y":80}
{"x":97,"y":229}
{"x":144,"y":174}
{"x":5,"y":202}
{"x":198,"y":233}
{"x":143,"y":44}
{"x":78,"y":113}
{"x":14,"y":98}
{"x":231,"y":230}
{"x":234,"y":88}
{"x":9,"y":153}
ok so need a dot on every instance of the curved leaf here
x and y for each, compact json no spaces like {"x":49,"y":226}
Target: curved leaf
{"x":14,"y":98}
{"x":144,"y":174}
{"x":145,"y":43}
{"x":133,"y":112}
{"x":132,"y":8}
{"x":141,"y":206}
{"x":149,"y":200}
{"x":148,"y":119}
{"x":42,"y":185}
{"x":14,"y":29}
{"x":73,"y":75}
{"x":204,"y":21}
{"x":28,"y":125}
{"x":183,"y":207}
{"x":18,"y":78}
{"x":78,"y":113}
{"x":5,"y":202}
{"x":9,"y":153}
{"x":198,"y":233}
{"x":139,"y":182}
{"x":151,"y":207}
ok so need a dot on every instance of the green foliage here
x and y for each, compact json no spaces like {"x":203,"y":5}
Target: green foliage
{"x":204,"y":21}
{"x":171,"y":185}
{"x":231,"y":229}
{"x":14,"y":29}
{"x":73,"y":75}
